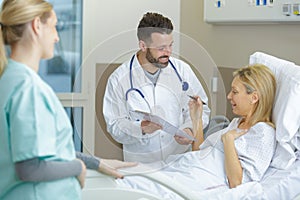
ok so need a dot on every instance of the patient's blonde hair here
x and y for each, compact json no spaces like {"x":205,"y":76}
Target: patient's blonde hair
{"x":259,"y":78}
{"x":14,"y":15}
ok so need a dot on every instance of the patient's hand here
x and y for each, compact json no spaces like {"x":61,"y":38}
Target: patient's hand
{"x":111,"y":166}
{"x":196,"y":109}
{"x":233,"y":134}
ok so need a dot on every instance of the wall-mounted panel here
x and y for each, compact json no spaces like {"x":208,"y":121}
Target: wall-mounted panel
{"x":252,"y":11}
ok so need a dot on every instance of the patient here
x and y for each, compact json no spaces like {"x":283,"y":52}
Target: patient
{"x":240,"y":153}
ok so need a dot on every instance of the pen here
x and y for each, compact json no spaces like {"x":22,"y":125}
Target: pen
{"x":196,"y":99}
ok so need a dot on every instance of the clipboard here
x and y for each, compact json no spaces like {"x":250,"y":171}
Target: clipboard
{"x":166,"y":126}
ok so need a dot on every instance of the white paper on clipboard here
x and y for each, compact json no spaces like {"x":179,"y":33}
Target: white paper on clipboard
{"x":166,"y":126}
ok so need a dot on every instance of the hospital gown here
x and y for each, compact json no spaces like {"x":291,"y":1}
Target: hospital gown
{"x":204,"y":169}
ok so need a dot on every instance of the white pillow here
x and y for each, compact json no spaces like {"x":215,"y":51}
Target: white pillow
{"x":286,"y":111}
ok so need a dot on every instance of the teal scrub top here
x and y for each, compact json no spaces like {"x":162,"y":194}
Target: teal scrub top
{"x":33,"y":123}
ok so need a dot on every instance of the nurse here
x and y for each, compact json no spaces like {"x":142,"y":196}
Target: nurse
{"x":155,"y":82}
{"x":37,"y":156}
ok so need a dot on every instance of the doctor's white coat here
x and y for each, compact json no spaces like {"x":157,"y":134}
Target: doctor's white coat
{"x":165,"y":99}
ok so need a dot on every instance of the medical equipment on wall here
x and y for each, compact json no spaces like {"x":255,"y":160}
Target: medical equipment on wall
{"x":184,"y":84}
{"x":251,"y":11}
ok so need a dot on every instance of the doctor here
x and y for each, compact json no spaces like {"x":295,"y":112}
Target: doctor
{"x":152,"y":81}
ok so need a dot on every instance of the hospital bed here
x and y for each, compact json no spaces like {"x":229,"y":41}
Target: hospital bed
{"x":282,"y":179}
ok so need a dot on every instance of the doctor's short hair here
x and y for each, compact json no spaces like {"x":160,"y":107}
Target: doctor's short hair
{"x":153,"y":23}
{"x":259,"y":78}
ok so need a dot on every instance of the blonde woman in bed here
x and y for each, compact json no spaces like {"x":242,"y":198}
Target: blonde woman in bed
{"x":240,"y":153}
{"x":249,"y":141}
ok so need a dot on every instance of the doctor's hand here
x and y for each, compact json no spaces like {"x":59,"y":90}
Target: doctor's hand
{"x":111,"y":166}
{"x":149,"y":127}
{"x":184,"y":140}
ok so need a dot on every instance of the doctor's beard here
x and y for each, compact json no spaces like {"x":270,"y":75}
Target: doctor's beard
{"x":155,"y":61}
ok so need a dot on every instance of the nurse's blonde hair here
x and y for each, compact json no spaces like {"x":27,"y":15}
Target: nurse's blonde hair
{"x":14,"y":15}
{"x":261,"y":79}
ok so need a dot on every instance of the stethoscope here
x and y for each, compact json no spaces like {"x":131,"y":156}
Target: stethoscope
{"x":184,"y":84}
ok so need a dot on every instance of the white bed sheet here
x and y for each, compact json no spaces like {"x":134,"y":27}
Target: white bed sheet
{"x":282,"y":184}
{"x":276,"y":184}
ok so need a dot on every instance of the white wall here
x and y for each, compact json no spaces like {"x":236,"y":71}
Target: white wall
{"x":111,"y":25}
{"x":231,"y":45}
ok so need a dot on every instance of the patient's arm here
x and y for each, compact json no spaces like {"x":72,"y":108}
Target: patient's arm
{"x":196,"y":109}
{"x":199,"y":138}
{"x":233,"y":168}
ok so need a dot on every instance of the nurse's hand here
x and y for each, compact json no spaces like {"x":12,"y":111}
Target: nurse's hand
{"x":149,"y":127}
{"x":111,"y":166}
{"x":81,"y":176}
{"x":184,"y":140}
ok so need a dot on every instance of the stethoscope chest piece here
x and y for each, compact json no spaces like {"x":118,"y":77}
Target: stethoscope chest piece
{"x":185,"y":86}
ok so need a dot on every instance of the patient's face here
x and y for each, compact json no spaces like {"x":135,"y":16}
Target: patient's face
{"x":240,"y":101}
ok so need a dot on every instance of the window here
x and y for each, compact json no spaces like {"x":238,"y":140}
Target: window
{"x":60,"y":72}
{"x":63,"y":71}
